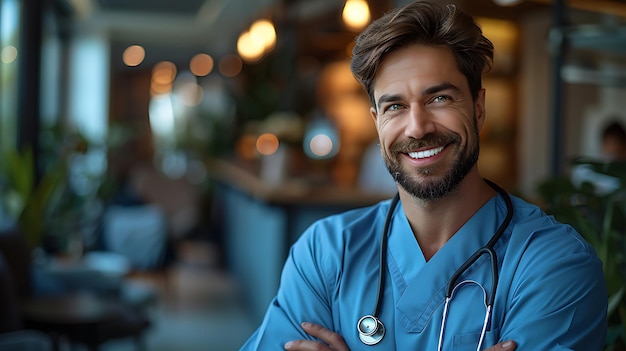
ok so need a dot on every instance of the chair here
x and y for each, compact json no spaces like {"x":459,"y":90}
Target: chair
{"x":137,"y":232}
{"x":80,"y":317}
{"x":10,"y":317}
{"x":12,"y":334}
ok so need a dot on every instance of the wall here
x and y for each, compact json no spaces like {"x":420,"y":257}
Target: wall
{"x":535,"y":94}
{"x":585,"y":106}
{"x":609,"y":103}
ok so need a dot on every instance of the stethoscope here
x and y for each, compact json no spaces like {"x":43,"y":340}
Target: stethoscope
{"x":371,"y":329}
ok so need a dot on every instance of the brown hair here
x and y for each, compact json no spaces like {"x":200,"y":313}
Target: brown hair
{"x":614,"y":129}
{"x":423,"y":23}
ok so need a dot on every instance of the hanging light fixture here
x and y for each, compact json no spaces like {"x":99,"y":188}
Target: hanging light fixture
{"x":257,"y":41}
{"x":263,"y":30}
{"x":248,"y":48}
{"x":356,"y":14}
{"x":507,"y":2}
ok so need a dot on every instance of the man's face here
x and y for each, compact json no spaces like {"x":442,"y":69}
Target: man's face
{"x":428,"y":125}
{"x":613,"y":148}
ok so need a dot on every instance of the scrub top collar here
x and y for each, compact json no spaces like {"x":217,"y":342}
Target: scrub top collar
{"x":422,"y":284}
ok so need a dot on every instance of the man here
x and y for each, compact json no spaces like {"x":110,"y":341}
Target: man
{"x":421,"y":66}
{"x":614,"y":142}
{"x":593,"y":171}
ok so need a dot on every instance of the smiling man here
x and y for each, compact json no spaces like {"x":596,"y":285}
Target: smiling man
{"x":453,"y":262}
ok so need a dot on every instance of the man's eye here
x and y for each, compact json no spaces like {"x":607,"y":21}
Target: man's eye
{"x":441,"y":98}
{"x":393,"y":107}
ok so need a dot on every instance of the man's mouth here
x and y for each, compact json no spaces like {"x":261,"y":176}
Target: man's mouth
{"x":425,"y":153}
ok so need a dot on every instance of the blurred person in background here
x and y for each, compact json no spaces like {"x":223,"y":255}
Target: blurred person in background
{"x":614,"y":142}
{"x":594,"y":171}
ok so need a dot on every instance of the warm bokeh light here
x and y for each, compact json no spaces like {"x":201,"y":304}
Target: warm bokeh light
{"x":256,"y":42}
{"x":267,"y":144}
{"x":321,"y":145}
{"x":133,"y":55}
{"x":9,"y":54}
{"x":201,"y":65}
{"x":163,"y":74}
{"x":264,"y":32}
{"x":230,"y":65}
{"x":356,"y":14}
{"x":248,"y":48}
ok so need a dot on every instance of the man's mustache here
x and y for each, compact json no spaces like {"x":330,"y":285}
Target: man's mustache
{"x":430,"y":140}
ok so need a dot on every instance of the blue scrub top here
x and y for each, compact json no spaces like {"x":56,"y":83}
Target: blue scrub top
{"x":551,"y":294}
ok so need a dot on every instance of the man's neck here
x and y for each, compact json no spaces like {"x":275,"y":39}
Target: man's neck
{"x":435,"y":222}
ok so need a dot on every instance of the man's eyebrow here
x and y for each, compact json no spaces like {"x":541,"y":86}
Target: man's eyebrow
{"x":387,"y":98}
{"x":441,"y":87}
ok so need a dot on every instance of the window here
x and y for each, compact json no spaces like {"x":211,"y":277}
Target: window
{"x":9,"y":64}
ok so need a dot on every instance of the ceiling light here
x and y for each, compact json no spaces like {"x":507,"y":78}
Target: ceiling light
{"x":507,"y":2}
{"x":356,"y":14}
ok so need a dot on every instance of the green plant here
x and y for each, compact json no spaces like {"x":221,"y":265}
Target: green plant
{"x":600,"y":217}
{"x":29,"y":200}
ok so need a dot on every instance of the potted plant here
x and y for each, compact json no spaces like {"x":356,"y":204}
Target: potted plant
{"x":27,"y":199}
{"x":600,"y":217}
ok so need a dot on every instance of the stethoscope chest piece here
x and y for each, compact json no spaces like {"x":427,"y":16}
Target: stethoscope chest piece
{"x":371,"y":330}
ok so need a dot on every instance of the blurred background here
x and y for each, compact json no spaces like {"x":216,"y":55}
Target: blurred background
{"x":161,"y":156}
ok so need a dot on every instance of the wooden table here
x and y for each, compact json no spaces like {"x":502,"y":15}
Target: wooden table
{"x":77,"y":317}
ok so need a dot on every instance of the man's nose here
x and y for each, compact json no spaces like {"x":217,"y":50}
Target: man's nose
{"x":419,"y":122}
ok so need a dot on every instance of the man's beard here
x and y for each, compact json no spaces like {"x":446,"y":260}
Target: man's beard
{"x":434,"y":187}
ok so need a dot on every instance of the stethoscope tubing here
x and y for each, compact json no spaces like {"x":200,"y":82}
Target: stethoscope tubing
{"x":488,"y":249}
{"x":368,"y":337}
{"x":383,"y":256}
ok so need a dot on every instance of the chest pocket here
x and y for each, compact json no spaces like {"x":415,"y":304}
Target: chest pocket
{"x":469,"y":342}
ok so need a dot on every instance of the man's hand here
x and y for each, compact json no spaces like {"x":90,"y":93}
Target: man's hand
{"x":334,"y":341}
{"x":505,"y":345}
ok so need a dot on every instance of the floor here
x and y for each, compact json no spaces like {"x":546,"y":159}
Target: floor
{"x":198,"y":306}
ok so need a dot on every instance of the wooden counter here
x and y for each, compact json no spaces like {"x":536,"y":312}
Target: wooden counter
{"x":244,"y":177}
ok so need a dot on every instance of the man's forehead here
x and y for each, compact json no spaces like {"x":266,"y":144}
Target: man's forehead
{"x":418,"y":64}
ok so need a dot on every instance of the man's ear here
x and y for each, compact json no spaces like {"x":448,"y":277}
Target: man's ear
{"x":373,"y":114}
{"x":479,"y":109}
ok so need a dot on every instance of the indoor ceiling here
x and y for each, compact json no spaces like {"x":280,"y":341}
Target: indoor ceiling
{"x":168,"y":29}
{"x":176,"y":29}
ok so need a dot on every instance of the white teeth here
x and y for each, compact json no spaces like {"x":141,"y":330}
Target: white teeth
{"x":426,"y":153}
